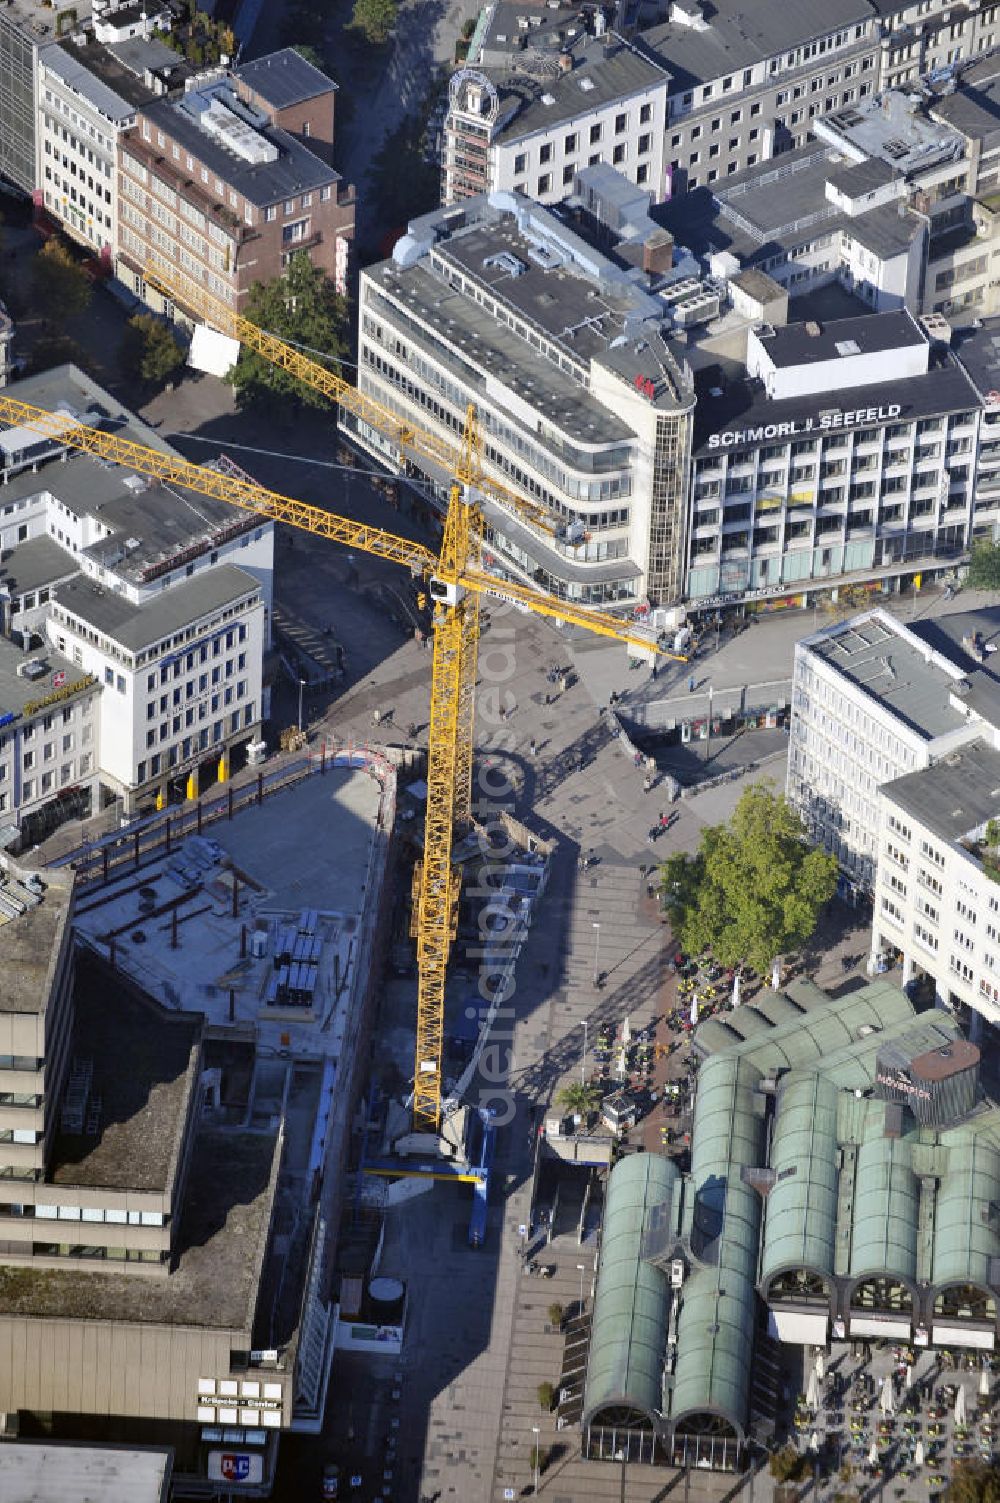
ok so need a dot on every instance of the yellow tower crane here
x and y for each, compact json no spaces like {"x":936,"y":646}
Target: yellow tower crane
{"x":455,"y":581}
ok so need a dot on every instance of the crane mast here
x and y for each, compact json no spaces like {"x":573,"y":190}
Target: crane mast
{"x":456,"y":582}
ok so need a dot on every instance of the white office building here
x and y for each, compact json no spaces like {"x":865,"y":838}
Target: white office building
{"x":846,"y":456}
{"x":872,"y":699}
{"x":606,"y":101}
{"x":181,"y":675}
{"x":937,"y":891}
{"x":164,"y":596}
{"x":87,"y":96}
{"x":584,"y":407}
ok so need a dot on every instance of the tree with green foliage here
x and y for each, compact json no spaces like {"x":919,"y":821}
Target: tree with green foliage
{"x":556,"y":1313}
{"x":786,"y":1465}
{"x":303,"y":307}
{"x":61,"y":287}
{"x":984,"y":566}
{"x":754,"y":889}
{"x":310,"y":55}
{"x":150,"y":349}
{"x":546,"y":1395}
{"x":973,"y":1482}
{"x":579,"y":1099}
{"x":375,"y":20}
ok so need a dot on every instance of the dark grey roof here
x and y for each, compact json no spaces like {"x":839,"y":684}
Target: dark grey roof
{"x":883,"y":230}
{"x":743,"y":32}
{"x":296,"y":170}
{"x":284,"y":78}
{"x":745,"y":405}
{"x":974,"y":108}
{"x":611,"y":68}
{"x":98,"y":76}
{"x":137,"y":626}
{"x":875,"y":652}
{"x":873,"y":333}
{"x":17,"y":691}
{"x":38,"y":562}
{"x":955,"y":796}
{"x":979,"y":351}
{"x":948,"y":635}
{"x":856,"y":179}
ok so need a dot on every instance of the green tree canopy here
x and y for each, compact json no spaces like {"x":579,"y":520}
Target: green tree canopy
{"x":150,"y":350}
{"x":984,"y":567}
{"x":61,"y":287}
{"x":579,"y":1098}
{"x":303,"y":307}
{"x":374,"y":19}
{"x":310,"y":55}
{"x":754,"y":889}
{"x":974,"y":1482}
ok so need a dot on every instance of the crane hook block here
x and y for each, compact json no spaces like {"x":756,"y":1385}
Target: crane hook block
{"x":445,"y":592}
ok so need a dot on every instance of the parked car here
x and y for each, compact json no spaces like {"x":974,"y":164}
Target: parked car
{"x":331,"y":1480}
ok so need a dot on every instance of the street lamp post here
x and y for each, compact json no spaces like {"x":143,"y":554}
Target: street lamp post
{"x":302,"y":684}
{"x":597,"y":950}
{"x":581,"y":1269}
{"x":583,"y":1057}
{"x":536,"y":1432}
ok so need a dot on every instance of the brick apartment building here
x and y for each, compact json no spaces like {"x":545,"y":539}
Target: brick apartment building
{"x":213,"y":187}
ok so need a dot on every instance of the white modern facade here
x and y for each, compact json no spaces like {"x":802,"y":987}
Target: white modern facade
{"x":49,"y":740}
{"x":607,"y":103}
{"x":937,"y":888}
{"x":162,"y":596}
{"x":871,"y":701}
{"x":584,"y":408}
{"x":87,"y":95}
{"x":181,"y":675}
{"x":847,"y":456}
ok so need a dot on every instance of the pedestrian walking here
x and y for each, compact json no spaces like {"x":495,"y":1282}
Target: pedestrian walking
{"x":691,"y":684}
{"x":637,"y":759}
{"x":534,"y":746}
{"x":647,"y":784}
{"x":663,"y":821}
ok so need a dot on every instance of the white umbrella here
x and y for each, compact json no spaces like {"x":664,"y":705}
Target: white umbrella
{"x":812,"y":1392}
{"x":960,"y":1412}
{"x":622,"y":1067}
{"x":984,"y":1383}
{"x":626,"y":1032}
{"x":814,"y":1443}
{"x":821,"y":1365}
{"x":873,"y":1455}
{"x":918,"y":1453}
{"x":886,"y":1402}
{"x":776,"y":976}
{"x":736,"y":990}
{"x":909,"y":1375}
{"x":694,"y":1010}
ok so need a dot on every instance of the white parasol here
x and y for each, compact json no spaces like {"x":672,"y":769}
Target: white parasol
{"x":918,"y":1453}
{"x":960,"y":1409}
{"x":694,"y":1010}
{"x":873,"y":1455}
{"x":736,"y":990}
{"x":814,"y":1443}
{"x":984,"y":1383}
{"x":821,"y":1365}
{"x":812,"y":1392}
{"x":776,"y":976}
{"x":886,"y":1401}
{"x":626,"y":1031}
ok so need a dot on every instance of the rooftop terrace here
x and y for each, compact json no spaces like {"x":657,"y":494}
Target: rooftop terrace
{"x":145,"y":1066}
{"x":221,"y":1244}
{"x":30,"y":943}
